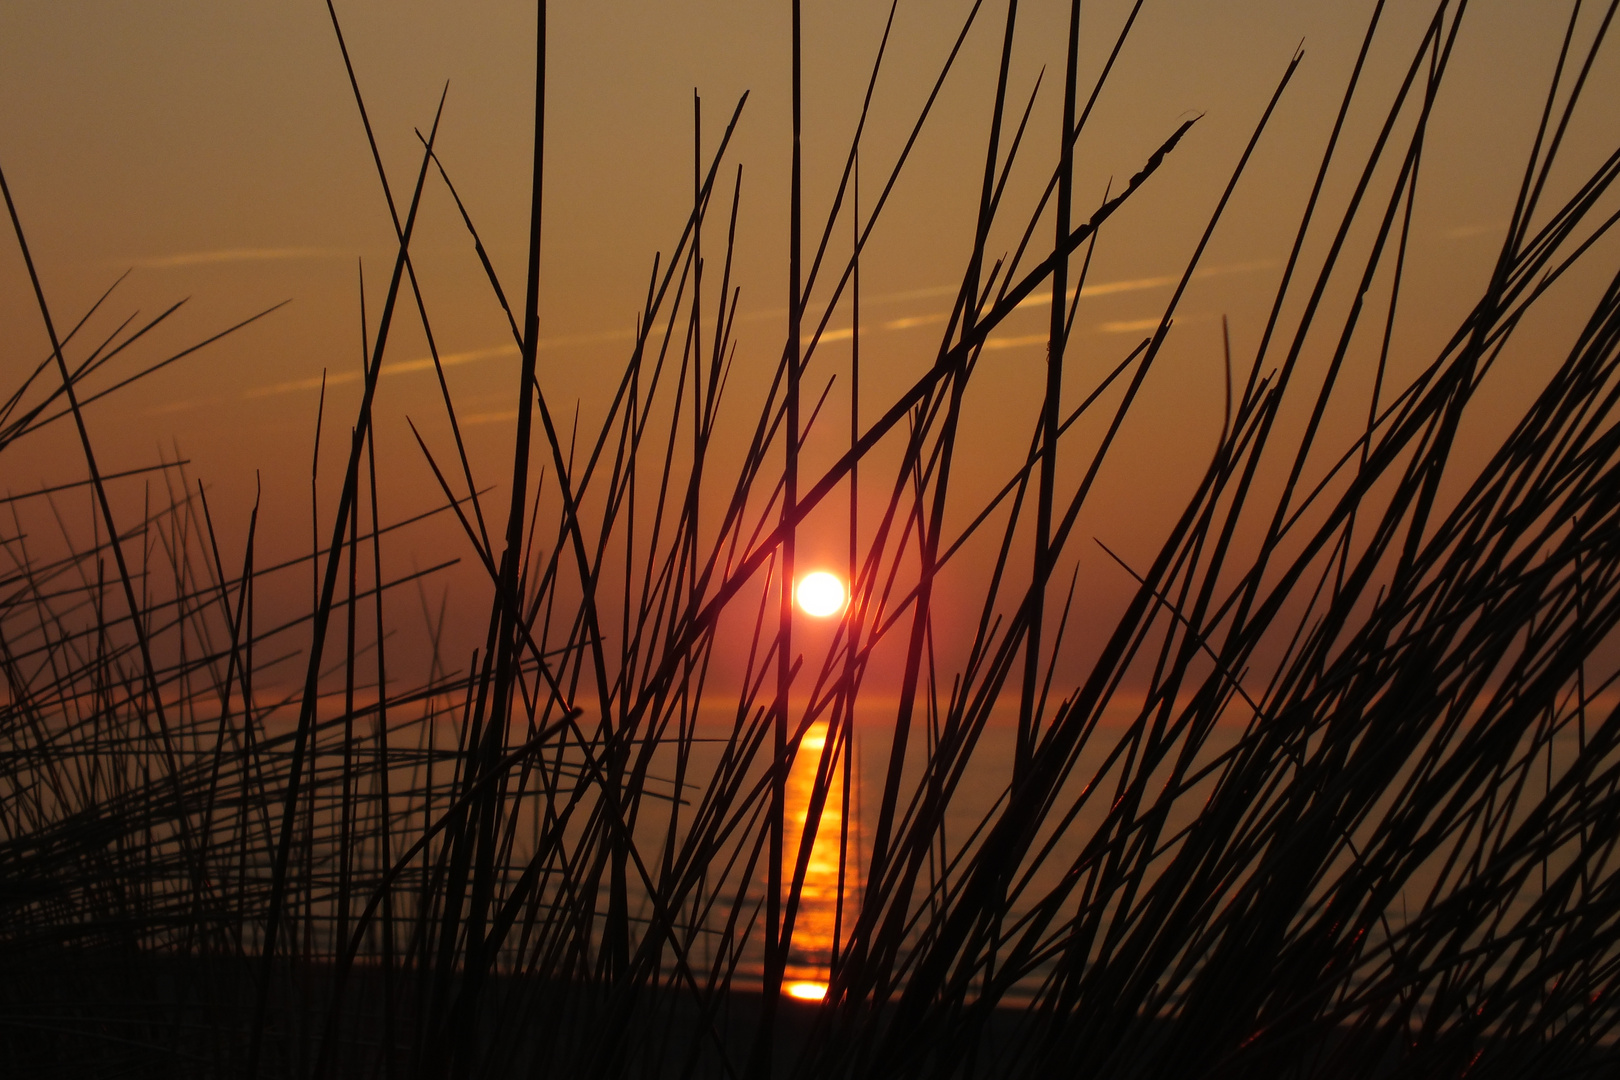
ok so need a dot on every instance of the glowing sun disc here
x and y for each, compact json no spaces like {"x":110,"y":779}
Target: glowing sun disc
{"x":820,"y":594}
{"x":807,"y":991}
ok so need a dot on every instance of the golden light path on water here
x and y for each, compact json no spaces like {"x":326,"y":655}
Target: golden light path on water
{"x":817,"y":923}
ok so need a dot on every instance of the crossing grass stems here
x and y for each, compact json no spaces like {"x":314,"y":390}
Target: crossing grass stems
{"x":1361,"y":819}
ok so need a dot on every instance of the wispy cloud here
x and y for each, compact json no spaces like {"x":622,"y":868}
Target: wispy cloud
{"x":1468,"y":232}
{"x":496,"y":417}
{"x":1019,"y":342}
{"x":454,"y":359}
{"x":1016,"y":342}
{"x":169,"y":408}
{"x":314,"y":382}
{"x":1037,"y":299}
{"x":1129,"y":326}
{"x":1111,"y":288}
{"x":909,"y":322}
{"x":230,"y":255}
{"x":396,"y":367}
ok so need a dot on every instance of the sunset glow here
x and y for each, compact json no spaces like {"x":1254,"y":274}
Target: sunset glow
{"x":820,"y":594}
{"x":471,"y":677}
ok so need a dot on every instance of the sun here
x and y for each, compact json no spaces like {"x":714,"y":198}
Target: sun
{"x":820,"y":594}
{"x":807,"y":991}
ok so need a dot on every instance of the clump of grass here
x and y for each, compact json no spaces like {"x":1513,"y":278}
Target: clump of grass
{"x":1362,"y":822}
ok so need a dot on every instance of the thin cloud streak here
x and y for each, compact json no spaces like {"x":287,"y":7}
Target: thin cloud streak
{"x":1110,"y":288}
{"x":1468,"y":232}
{"x":1129,"y":326}
{"x":230,"y":255}
{"x":909,"y":322}
{"x":397,"y":367}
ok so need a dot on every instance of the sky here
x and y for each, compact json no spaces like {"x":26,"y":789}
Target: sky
{"x":214,"y":152}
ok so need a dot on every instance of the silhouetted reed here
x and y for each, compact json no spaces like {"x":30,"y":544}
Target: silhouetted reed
{"x":1360,"y":818}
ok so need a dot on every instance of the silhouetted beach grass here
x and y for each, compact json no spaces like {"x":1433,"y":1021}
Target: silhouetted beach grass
{"x":1336,"y":796}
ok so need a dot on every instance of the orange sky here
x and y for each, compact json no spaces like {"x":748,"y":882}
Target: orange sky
{"x":214,"y":150}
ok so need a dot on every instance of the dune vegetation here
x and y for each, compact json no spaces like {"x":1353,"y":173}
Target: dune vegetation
{"x":1338,"y":794}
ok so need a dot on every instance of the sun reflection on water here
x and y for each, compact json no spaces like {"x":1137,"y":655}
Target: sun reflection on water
{"x":817,"y":922}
